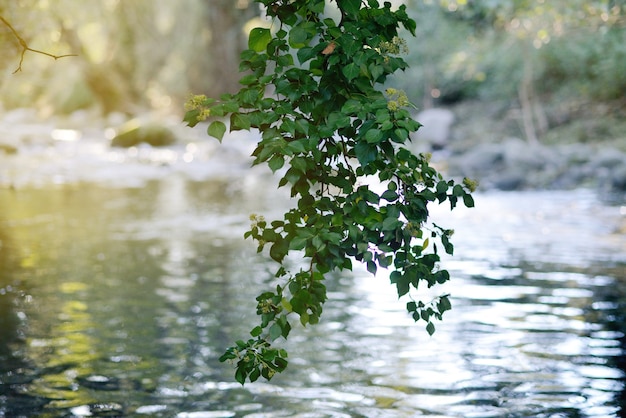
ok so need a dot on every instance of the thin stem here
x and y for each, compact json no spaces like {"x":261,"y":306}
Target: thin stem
{"x":25,"y":47}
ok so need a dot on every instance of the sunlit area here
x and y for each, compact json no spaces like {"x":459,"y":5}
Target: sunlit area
{"x":124,"y":271}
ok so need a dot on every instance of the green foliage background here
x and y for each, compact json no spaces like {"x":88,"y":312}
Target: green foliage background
{"x":475,"y":49}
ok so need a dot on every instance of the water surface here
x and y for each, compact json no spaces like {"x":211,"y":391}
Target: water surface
{"x":117,"y":301}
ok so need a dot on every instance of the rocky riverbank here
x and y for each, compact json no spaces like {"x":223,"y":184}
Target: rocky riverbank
{"x":84,"y":147}
{"x":485,"y":143}
{"x":470,"y":140}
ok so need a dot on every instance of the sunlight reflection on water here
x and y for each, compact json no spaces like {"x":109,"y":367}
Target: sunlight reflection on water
{"x":129,"y":310}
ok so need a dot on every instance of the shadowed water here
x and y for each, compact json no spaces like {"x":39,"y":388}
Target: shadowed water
{"x":117,"y":301}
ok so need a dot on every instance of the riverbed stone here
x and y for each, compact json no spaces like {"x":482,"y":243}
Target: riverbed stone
{"x":8,"y":149}
{"x":514,"y":164}
{"x":611,"y":164}
{"x":608,"y":158}
{"x":436,"y":124}
{"x":480,"y":163}
{"x":618,"y":179}
{"x":134,"y":133}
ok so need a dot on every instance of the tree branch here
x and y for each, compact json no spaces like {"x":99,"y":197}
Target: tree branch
{"x":25,"y":47}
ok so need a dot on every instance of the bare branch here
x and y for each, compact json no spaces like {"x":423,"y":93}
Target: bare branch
{"x":25,"y":47}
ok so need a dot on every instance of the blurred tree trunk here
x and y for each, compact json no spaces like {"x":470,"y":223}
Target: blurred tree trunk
{"x":534,"y":119}
{"x":112,"y":91}
{"x":226,"y":20}
{"x":120,"y":79}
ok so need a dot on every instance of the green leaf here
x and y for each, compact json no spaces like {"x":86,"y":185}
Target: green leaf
{"x":259,"y":39}
{"x":447,"y":245}
{"x":350,"y":71}
{"x":296,"y":147}
{"x":239,"y":121}
{"x":285,"y":60}
{"x":376,"y":71}
{"x":442,"y":276}
{"x":458,"y":191}
{"x":228,"y":355}
{"x":351,"y":107}
{"x":386,"y":125}
{"x":410,"y":25}
{"x":276,"y":162}
{"x":300,"y":164}
{"x":302,"y":126}
{"x":318,"y":243}
{"x":402,"y":285}
{"x":230,"y":107}
{"x":442,"y":187}
{"x":286,"y":305}
{"x":286,"y":328}
{"x":298,"y":37}
{"x":298,"y":243}
{"x":217,"y":130}
{"x":373,"y":136}
{"x":304,"y":318}
{"x":250,"y":96}
{"x":430,"y":328}
{"x":306,"y":53}
{"x":390,"y":224}
{"x":275,"y":331}
{"x":338,"y":120}
{"x":389,"y":195}
{"x":191,"y":117}
{"x":365,"y":153}
{"x":350,"y":7}
{"x":468,"y":200}
{"x":384,"y":262}
{"x":371,"y":267}
{"x":256,"y":331}
{"x":279,"y":250}
{"x":444,"y":304}
{"x":401,"y":134}
{"x":281,"y":363}
{"x":314,"y":319}
{"x":316,"y":6}
{"x":248,"y":79}
{"x":254,"y":374}
{"x":240,"y":374}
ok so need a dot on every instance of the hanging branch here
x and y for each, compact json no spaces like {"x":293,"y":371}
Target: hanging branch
{"x":25,"y":47}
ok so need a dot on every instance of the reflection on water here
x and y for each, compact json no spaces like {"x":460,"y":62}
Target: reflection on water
{"x":118,"y":301}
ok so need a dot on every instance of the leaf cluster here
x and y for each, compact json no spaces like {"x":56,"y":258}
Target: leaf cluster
{"x":310,"y":88}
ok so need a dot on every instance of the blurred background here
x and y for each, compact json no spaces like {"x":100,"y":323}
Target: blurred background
{"x":124,"y":274}
{"x":546,"y":78}
{"x":130,"y":55}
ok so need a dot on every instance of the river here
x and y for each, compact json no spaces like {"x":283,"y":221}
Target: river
{"x":117,"y":298}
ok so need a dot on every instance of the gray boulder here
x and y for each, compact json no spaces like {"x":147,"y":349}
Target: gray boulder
{"x":436,"y":127}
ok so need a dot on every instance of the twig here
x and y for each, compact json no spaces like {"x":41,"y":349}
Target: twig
{"x":25,"y":47}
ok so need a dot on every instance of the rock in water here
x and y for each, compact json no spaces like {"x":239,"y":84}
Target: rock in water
{"x":133,"y":134}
